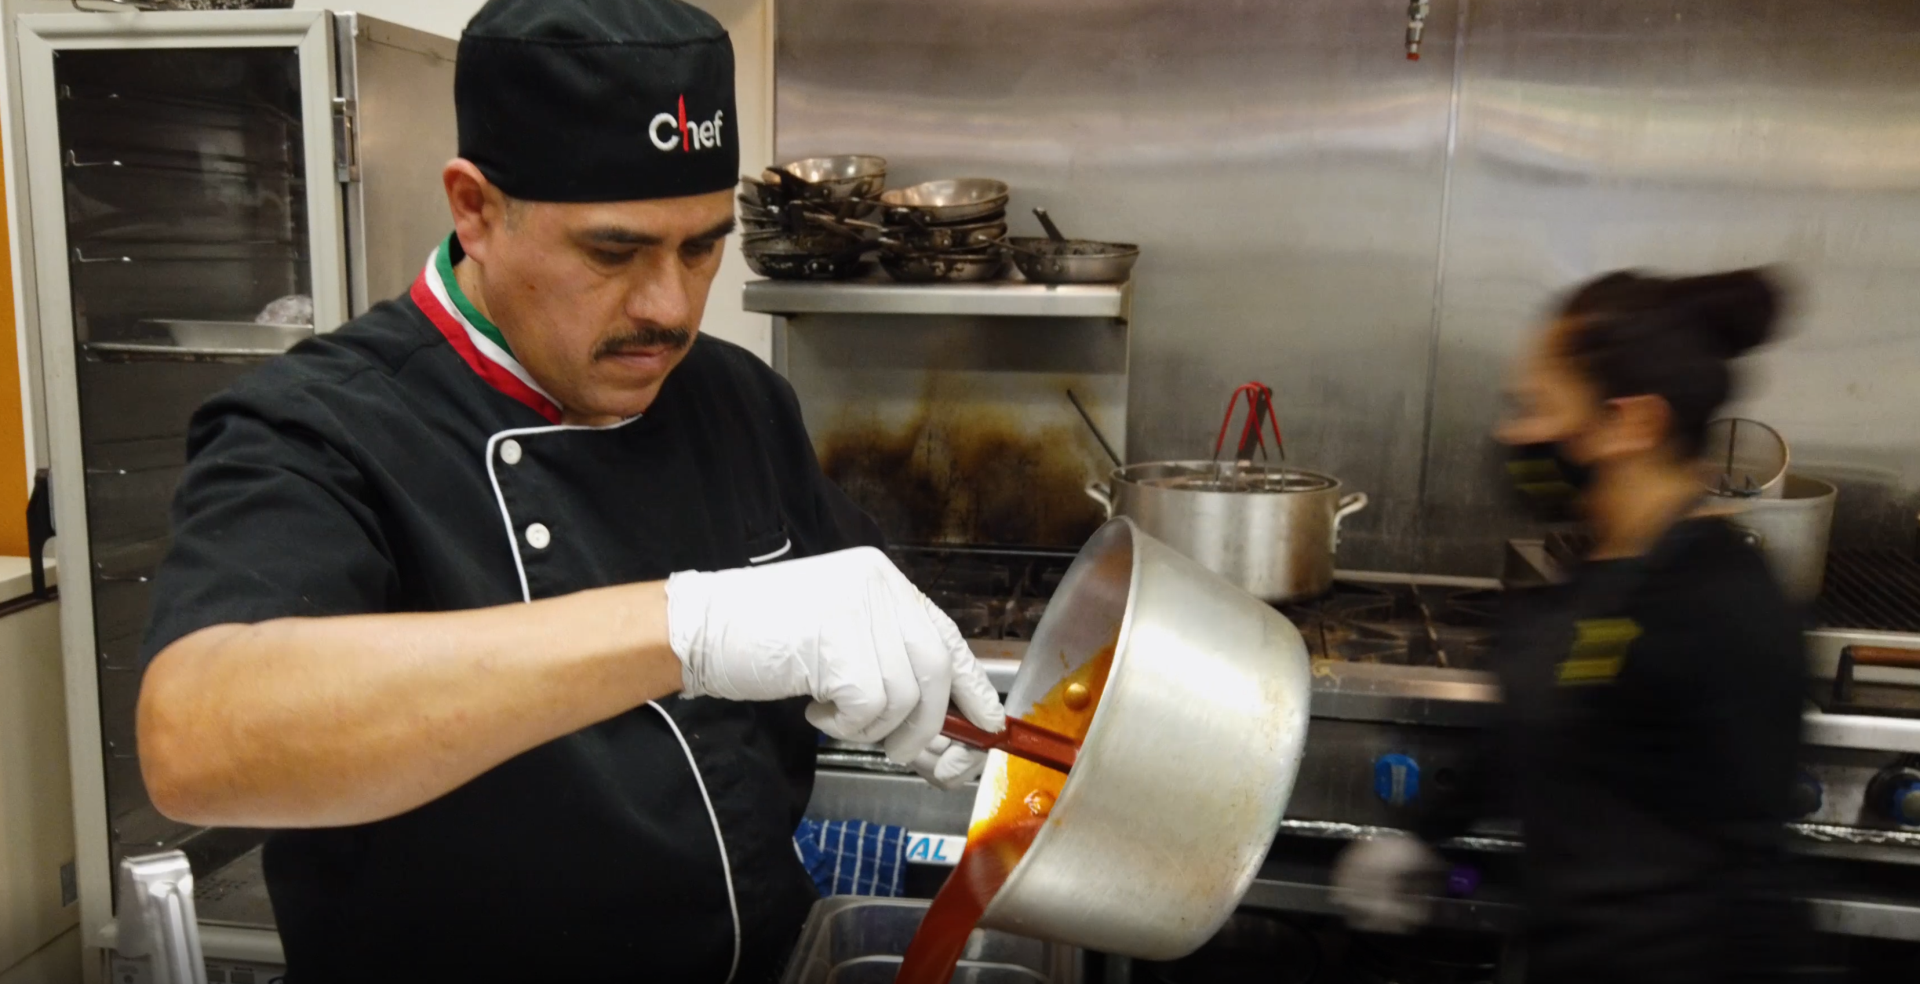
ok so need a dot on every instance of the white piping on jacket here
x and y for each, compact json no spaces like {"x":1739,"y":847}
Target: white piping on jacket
{"x":526,"y":595}
{"x":784,"y":550}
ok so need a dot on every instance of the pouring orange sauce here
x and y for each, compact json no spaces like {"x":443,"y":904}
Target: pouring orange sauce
{"x":998,"y":842}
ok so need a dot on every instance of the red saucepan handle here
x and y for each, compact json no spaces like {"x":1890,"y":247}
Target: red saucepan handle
{"x":1028,"y":741}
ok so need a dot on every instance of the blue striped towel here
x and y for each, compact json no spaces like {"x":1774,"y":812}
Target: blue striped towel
{"x":853,"y":857}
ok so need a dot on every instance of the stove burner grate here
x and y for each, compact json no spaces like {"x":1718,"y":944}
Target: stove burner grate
{"x":1877,"y":590}
{"x":1399,"y":623}
{"x":995,"y":595}
{"x":989,"y":594}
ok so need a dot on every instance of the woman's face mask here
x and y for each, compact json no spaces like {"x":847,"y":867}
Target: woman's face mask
{"x":1549,"y":409}
{"x":1546,"y":482}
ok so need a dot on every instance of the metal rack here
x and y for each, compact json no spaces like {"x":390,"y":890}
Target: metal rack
{"x":1873,"y":590}
{"x":187,"y":171}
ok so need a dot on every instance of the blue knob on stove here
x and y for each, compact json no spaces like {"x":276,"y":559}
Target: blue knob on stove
{"x":1904,"y":802}
{"x":1396,"y":779}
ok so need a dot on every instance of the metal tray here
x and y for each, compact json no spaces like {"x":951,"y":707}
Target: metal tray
{"x":232,"y":336}
{"x":850,"y":940}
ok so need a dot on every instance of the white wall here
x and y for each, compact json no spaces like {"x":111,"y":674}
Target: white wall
{"x":751,"y":24}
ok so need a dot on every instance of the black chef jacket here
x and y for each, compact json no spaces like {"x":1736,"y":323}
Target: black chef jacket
{"x":1651,"y":722}
{"x":395,"y":466}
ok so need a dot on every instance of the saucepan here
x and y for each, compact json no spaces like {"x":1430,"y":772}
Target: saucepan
{"x":1074,"y":261}
{"x":782,"y":261}
{"x":1185,"y":772}
{"x":841,"y":177}
{"x":1056,"y":259}
{"x":933,"y":239}
{"x":959,"y":266}
{"x":944,"y":202}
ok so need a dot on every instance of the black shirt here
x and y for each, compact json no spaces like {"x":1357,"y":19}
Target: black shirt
{"x":375,"y":470}
{"x":1651,"y":724}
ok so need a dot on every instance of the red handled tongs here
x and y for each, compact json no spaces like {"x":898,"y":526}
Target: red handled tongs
{"x":1253,"y":433}
{"x":1021,"y":740}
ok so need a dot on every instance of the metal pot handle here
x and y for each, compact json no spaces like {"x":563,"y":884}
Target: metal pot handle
{"x":1349,"y":504}
{"x":1101,"y":494}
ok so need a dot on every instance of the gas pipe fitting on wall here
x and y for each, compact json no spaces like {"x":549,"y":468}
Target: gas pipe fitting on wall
{"x":1416,"y":26}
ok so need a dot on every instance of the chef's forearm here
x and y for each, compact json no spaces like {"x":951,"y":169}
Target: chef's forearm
{"x":337,"y":721}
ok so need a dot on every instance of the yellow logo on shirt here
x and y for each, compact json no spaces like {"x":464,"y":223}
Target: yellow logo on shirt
{"x":1599,"y":650}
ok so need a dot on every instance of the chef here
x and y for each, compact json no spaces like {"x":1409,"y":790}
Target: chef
{"x":512,"y":607}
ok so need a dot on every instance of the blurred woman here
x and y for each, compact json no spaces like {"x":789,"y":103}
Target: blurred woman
{"x":1652,"y":702}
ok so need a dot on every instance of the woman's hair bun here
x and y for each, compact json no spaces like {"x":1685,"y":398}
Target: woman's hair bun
{"x":1636,"y":334}
{"x":1736,"y":310}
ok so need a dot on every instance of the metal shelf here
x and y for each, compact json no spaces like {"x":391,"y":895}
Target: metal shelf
{"x":1011,"y":299}
{"x":162,"y":352}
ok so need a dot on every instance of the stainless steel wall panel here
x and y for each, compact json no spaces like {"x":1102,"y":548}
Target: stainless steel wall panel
{"x":1280,"y":161}
{"x":958,"y":430}
{"x":1288,"y":174}
{"x":1690,"y":135}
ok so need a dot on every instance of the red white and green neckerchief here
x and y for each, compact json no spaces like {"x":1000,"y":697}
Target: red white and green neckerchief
{"x":478,"y":340}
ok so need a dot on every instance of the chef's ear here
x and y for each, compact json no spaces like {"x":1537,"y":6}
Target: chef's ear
{"x":480,"y":210}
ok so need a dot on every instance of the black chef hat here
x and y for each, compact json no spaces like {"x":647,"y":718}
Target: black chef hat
{"x":598,"y":100}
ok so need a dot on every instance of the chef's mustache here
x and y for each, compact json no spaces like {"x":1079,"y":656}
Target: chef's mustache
{"x":652,"y":336}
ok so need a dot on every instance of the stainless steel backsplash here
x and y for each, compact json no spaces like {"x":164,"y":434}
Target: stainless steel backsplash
{"x":1373,"y":236}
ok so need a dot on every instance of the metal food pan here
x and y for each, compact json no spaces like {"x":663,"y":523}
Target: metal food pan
{"x":242,"y":336}
{"x":853,"y":940}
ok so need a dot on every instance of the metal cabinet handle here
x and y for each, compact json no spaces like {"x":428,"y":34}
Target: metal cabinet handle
{"x":80,"y":257}
{"x":40,"y":530}
{"x":73,"y":157}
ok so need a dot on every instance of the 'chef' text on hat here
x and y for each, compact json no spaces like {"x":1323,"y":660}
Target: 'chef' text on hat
{"x":598,"y":100}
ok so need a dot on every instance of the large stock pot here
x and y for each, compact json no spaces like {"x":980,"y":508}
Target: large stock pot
{"x":1273,"y":532}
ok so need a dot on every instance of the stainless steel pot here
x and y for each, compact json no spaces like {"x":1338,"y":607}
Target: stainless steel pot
{"x":1271,"y":532}
{"x":1185,"y":772}
{"x":1791,"y":531}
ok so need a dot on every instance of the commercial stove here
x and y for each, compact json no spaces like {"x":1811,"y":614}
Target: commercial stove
{"x":1402,"y":690}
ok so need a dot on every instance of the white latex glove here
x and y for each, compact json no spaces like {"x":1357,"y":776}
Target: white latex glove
{"x":846,"y":629}
{"x":946,"y":763}
{"x":1385,"y":884}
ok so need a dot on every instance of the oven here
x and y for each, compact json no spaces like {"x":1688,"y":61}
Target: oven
{"x":1401,"y":694}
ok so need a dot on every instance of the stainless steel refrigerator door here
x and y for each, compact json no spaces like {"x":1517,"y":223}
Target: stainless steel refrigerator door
{"x":397,"y":130}
{"x":180,"y":167}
